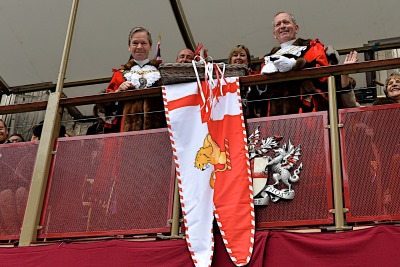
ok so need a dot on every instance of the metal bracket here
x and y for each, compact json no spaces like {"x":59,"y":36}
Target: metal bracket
{"x":328,"y":126}
{"x":170,"y":221}
{"x":342,"y":228}
{"x":344,"y":210}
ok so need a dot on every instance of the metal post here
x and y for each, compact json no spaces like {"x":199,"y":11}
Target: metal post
{"x":335,"y":160}
{"x":51,"y":127}
{"x":183,"y":24}
{"x":175,"y":212}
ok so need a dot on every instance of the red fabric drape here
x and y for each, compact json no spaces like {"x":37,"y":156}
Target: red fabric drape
{"x":376,"y":246}
{"x":105,"y":253}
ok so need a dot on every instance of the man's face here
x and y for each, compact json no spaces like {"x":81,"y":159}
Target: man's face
{"x":284,"y":28}
{"x":3,"y":132}
{"x":139,"y":46}
{"x":185,"y":56}
{"x":393,"y":88}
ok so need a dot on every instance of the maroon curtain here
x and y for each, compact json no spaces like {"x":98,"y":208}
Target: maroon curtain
{"x":377,"y":246}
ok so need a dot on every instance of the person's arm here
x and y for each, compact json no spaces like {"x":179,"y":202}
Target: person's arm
{"x":348,"y":98}
{"x":116,"y":80}
{"x":320,"y":55}
{"x":118,"y":83}
{"x":316,"y":54}
{"x":350,"y":58}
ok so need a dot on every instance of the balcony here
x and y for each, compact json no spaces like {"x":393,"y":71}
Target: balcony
{"x":122,"y":185}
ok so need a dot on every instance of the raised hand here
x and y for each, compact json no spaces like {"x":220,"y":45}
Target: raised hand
{"x":351,"y":58}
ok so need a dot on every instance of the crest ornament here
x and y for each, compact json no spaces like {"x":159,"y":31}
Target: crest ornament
{"x":269,"y":159}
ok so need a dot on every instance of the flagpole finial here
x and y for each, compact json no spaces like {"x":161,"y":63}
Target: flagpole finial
{"x":158,"y":50}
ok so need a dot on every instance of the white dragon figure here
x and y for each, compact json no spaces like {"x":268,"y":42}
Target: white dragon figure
{"x":284,"y":160}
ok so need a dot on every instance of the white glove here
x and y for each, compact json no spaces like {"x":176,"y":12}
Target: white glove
{"x":269,"y":66}
{"x":284,"y":64}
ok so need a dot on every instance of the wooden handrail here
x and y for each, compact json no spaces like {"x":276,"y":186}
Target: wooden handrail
{"x":82,"y":100}
{"x":36,"y":106}
{"x":52,"y":87}
{"x":373,"y":65}
{"x":21,"y":108}
{"x":104,"y":98}
{"x":359,"y":67}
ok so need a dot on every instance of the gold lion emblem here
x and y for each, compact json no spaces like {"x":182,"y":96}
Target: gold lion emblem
{"x":211,"y":153}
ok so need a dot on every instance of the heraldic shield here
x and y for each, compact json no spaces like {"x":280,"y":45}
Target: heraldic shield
{"x":268,"y":158}
{"x":208,"y":139}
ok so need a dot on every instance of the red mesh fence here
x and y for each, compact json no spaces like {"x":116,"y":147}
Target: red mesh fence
{"x":371,"y":162}
{"x":16,"y":167}
{"x":110,"y":184}
{"x":313,"y":192}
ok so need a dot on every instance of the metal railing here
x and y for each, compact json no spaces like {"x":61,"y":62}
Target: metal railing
{"x":28,"y":235}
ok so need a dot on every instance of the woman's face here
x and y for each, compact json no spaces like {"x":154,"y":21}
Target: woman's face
{"x":3,"y":132}
{"x":393,"y":88}
{"x":239,"y":57}
{"x":139,"y":46}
